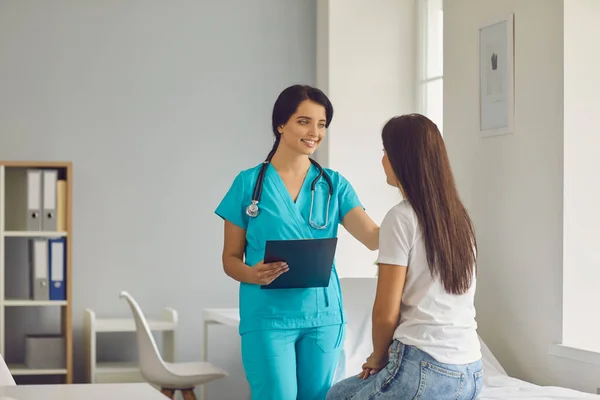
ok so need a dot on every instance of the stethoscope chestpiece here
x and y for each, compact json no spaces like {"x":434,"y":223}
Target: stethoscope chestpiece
{"x":252,"y":209}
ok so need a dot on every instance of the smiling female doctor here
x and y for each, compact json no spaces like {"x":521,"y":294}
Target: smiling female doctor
{"x":291,"y":338}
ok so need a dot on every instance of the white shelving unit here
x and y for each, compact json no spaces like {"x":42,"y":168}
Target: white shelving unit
{"x":34,"y":303}
{"x":105,"y":372}
{"x":34,"y":234}
{"x":22,"y":306}
{"x":20,"y":369}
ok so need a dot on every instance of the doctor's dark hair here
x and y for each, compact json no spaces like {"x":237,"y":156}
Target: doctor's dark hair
{"x":418,"y":156}
{"x":287,"y":103}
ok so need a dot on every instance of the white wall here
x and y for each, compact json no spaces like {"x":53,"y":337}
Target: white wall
{"x":513,"y":185}
{"x":158,"y":104}
{"x":366,"y":63}
{"x":581,"y":327}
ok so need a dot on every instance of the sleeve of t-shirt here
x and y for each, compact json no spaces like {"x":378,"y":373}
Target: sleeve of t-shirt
{"x":394,"y":239}
{"x":232,"y":206}
{"x":348,"y":199}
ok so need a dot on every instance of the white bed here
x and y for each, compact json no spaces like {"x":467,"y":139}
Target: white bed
{"x":359,"y":294}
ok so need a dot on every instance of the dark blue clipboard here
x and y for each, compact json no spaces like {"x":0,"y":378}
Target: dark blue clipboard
{"x":310,"y":262}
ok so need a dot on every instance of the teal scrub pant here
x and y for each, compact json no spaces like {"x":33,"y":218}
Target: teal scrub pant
{"x":292,"y":364}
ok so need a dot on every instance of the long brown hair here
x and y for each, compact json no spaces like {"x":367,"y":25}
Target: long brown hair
{"x":418,"y":156}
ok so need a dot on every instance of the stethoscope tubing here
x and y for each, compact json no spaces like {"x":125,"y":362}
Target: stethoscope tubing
{"x":252,"y":210}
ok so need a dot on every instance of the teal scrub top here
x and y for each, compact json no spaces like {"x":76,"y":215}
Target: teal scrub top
{"x":282,"y":219}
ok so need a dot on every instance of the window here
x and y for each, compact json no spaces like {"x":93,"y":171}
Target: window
{"x":431,"y":60}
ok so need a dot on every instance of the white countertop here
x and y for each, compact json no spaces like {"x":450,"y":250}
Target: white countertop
{"x":225,"y":316}
{"x":100,"y":391}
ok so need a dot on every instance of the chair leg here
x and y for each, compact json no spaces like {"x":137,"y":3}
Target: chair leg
{"x":188,"y":394}
{"x":170,"y":393}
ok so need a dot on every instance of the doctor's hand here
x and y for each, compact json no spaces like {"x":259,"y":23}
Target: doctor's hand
{"x":263,"y":274}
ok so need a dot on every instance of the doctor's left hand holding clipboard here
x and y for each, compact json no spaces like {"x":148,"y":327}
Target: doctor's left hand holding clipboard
{"x":310,"y":262}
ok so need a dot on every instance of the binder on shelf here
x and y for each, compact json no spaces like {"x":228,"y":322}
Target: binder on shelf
{"x":23,"y":199}
{"x":34,"y":200}
{"x":57,"y":268}
{"x":38,"y":259}
{"x":61,"y":205}
{"x":49,"y":200}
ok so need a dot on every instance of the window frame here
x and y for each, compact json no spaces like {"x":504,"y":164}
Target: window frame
{"x":422,"y":60}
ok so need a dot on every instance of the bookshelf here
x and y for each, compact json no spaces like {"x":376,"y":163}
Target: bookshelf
{"x":24,"y":317}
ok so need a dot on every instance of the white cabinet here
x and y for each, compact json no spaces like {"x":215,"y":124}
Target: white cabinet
{"x":104,"y":372}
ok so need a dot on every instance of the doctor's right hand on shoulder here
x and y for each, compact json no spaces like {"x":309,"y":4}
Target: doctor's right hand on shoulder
{"x":263,"y":274}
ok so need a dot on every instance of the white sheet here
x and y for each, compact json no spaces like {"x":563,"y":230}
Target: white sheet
{"x":359,"y":294}
{"x":507,"y":388}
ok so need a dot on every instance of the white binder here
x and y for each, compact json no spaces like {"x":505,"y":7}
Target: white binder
{"x":49,"y":200}
{"x":23,"y":199}
{"x":38,"y":258}
{"x":34,"y":200}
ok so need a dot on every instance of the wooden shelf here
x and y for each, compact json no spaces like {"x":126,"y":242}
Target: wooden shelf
{"x":36,"y":164}
{"x":34,"y":303}
{"x":31,"y":234}
{"x":20,"y":369}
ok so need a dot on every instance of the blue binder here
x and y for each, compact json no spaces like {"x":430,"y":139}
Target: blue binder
{"x":57,"y":268}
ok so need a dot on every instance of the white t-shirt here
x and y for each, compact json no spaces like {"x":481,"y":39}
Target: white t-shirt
{"x":439,"y":323}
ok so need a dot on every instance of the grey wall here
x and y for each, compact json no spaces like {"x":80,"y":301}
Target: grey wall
{"x":158,"y":105}
{"x":512,"y":184}
{"x":513,"y":187}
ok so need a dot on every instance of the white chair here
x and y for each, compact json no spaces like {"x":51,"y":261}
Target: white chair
{"x":6,"y":378}
{"x":170,"y":377}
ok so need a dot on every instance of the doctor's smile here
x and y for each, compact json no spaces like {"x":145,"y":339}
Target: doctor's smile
{"x":311,"y":142}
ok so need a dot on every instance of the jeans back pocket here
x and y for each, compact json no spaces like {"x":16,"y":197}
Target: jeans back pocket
{"x":439,"y":383}
{"x":478,"y":384}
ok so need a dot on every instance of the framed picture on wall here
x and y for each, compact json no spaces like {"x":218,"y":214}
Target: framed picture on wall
{"x":496,"y":77}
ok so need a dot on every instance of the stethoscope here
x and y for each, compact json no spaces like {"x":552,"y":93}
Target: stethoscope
{"x":252,"y":209}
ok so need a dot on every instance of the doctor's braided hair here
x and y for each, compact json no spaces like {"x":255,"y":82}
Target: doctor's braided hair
{"x":287,"y":103}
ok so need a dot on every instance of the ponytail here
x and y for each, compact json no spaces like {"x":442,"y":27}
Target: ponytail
{"x":274,"y":149}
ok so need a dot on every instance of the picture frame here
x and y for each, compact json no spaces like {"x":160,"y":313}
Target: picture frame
{"x":496,"y":77}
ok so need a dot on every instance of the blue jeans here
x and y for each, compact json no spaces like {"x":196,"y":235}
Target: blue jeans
{"x":412,"y":374}
{"x":291,"y":364}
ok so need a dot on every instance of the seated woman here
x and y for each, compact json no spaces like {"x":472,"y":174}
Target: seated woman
{"x":425,"y":343}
